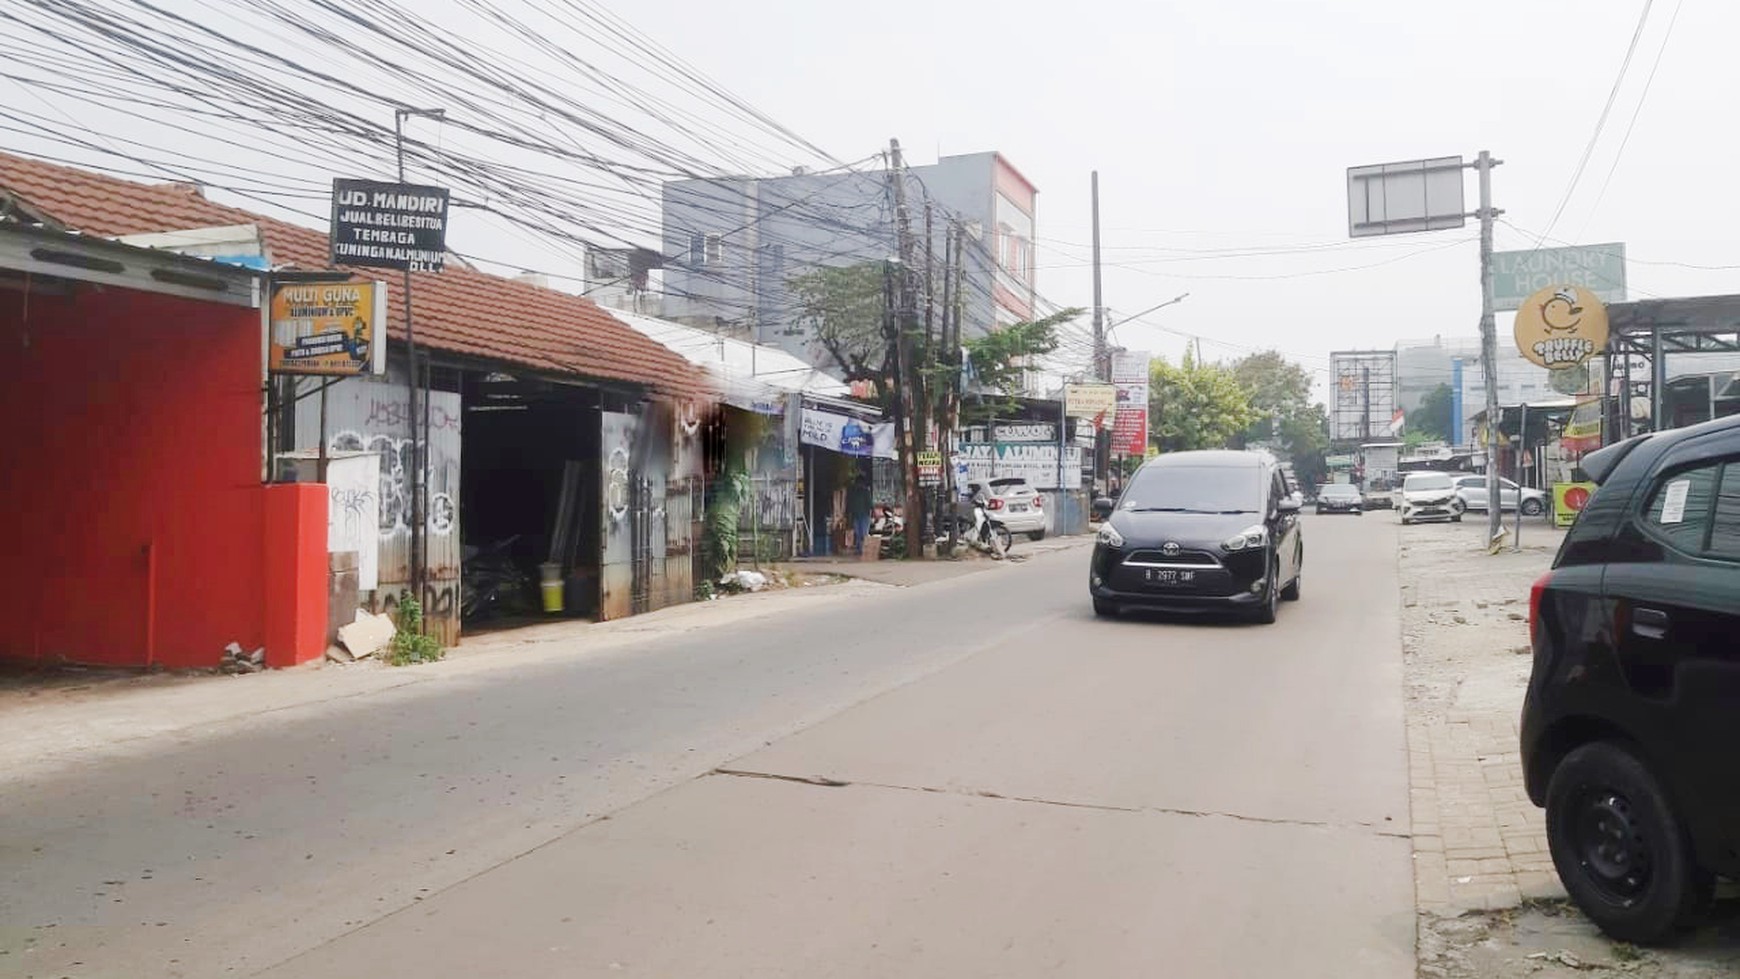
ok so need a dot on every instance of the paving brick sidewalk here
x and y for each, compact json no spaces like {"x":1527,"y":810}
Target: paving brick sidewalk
{"x":1479,"y":843}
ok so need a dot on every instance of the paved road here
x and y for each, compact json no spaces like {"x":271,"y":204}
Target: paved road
{"x":972,"y":778}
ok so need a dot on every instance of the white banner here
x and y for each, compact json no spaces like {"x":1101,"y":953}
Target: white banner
{"x":847,"y":435}
{"x":978,"y":462}
{"x":1026,"y":432}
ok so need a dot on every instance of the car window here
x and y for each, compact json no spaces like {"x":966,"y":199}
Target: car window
{"x":1210,"y":489}
{"x":1725,"y":528}
{"x":1679,"y":508}
{"x":1426,"y":482}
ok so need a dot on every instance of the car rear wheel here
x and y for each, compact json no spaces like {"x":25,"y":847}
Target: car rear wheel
{"x":1037,"y":535}
{"x":1532,"y":508}
{"x":1621,"y":853}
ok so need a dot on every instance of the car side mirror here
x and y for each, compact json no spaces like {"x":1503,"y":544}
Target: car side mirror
{"x":1287,"y":504}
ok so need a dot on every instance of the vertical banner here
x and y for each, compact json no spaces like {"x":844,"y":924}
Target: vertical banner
{"x":1130,"y":425}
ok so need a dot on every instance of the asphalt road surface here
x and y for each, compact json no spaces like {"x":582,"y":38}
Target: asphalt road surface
{"x":969,"y":778}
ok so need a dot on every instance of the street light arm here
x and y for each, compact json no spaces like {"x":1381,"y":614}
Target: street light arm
{"x":1153,"y":309}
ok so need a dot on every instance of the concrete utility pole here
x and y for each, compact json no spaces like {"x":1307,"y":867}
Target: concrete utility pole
{"x":1101,"y":369}
{"x":905,"y":322}
{"x":1489,"y":345}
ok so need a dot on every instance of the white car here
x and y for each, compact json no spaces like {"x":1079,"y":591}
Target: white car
{"x":1429,"y":496}
{"x":1472,"y":490}
{"x":1018,"y":506}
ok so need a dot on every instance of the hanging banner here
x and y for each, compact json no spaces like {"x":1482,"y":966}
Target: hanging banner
{"x":979,"y":462}
{"x":847,"y":435}
{"x":389,"y":226}
{"x":1094,"y":402}
{"x":1130,"y":379}
{"x":334,"y":328}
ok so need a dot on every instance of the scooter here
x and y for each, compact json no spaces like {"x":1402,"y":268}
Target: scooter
{"x":986,"y":532}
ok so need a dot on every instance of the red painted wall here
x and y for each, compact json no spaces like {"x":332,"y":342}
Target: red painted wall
{"x":295,"y":572}
{"x":130,"y":488}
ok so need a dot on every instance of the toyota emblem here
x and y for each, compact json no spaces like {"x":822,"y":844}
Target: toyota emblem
{"x":1170,"y":548}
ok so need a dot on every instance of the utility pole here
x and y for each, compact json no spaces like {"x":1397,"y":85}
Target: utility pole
{"x":905,"y":317}
{"x":419,"y":451}
{"x":1489,"y":346}
{"x":1100,"y":369}
{"x":1365,"y":401}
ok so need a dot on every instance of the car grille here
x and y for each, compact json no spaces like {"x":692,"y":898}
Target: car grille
{"x":1185,"y":556}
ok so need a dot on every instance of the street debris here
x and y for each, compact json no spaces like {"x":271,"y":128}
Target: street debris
{"x":742,"y":581}
{"x":236,"y":661}
{"x":368,"y":635}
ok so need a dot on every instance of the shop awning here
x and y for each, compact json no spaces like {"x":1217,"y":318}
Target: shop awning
{"x":751,"y":376}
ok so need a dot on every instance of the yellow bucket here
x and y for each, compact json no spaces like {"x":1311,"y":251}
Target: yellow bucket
{"x":551,"y":586}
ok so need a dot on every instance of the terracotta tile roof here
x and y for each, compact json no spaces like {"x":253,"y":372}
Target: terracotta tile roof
{"x":459,"y":310}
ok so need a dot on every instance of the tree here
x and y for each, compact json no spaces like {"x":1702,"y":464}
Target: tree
{"x":845,"y":309}
{"x":1433,"y":418}
{"x":1280,"y":394}
{"x":1195,"y":406}
{"x":999,"y":359}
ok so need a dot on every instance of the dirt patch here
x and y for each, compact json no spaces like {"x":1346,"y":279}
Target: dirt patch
{"x":1551,"y":939}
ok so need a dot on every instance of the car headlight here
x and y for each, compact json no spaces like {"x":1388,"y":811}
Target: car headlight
{"x":1109,"y":536}
{"x":1250,"y":537}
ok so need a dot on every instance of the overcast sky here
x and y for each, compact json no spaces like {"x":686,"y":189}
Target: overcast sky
{"x":1229,"y":125}
{"x":1222,"y":131}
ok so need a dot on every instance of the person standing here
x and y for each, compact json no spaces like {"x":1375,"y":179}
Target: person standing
{"x":858,"y":511}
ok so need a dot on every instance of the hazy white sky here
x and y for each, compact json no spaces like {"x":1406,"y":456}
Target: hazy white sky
{"x":1228,"y":125}
{"x":1222,"y":130}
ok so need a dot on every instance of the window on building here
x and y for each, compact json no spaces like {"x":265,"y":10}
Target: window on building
{"x":697,"y":250}
{"x":715,"y":250}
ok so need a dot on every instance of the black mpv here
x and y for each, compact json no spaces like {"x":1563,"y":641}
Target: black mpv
{"x":1631,"y":723}
{"x":1200,"y":532}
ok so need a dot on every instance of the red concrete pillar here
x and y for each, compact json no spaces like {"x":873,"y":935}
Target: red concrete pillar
{"x":296,"y":569}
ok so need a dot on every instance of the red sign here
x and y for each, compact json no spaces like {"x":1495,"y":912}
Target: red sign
{"x":1130,"y":431}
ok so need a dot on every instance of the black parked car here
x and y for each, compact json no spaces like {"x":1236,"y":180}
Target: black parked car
{"x":1200,"y":531}
{"x":1340,"y":498}
{"x":1631,"y":724}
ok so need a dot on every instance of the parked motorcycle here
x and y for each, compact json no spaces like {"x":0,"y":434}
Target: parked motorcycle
{"x":985,"y":531}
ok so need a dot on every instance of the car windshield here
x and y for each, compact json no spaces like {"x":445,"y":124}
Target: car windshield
{"x":1340,"y":491}
{"x":1426,"y":483}
{"x":1196,"y":489}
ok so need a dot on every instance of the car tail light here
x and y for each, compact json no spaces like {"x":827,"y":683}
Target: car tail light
{"x":1536,"y":593}
{"x":995,"y":504}
{"x":1039,"y":503}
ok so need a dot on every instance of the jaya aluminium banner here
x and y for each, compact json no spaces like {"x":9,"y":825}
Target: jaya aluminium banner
{"x":980,"y":462}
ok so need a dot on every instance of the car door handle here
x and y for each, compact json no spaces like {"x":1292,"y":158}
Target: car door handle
{"x":1650,"y":623}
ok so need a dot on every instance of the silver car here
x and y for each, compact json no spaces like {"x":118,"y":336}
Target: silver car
{"x":1472,"y":491}
{"x":1429,"y":496}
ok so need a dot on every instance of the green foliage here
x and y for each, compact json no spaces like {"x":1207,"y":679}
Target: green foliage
{"x":724,"y":514}
{"x":1280,"y":394}
{"x":1433,"y":418}
{"x":1001,"y":357}
{"x":845,"y":309}
{"x":410,"y":645}
{"x":1195,"y":406}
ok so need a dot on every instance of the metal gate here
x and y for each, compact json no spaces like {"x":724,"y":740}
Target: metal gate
{"x":650,"y":509}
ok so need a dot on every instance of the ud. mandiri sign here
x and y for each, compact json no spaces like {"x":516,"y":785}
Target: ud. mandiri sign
{"x":389,"y":226}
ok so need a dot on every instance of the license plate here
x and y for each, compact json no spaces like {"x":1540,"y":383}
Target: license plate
{"x":1017,"y":508}
{"x":1170,"y":576}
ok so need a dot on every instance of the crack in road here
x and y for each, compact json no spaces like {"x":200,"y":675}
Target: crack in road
{"x":1376,"y":829}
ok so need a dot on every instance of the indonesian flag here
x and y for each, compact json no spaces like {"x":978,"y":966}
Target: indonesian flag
{"x":1396,"y":422}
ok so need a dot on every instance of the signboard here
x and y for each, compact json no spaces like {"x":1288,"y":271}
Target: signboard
{"x":1362,"y":397}
{"x":1598,"y":268}
{"x":930,"y":468}
{"x":1569,"y":499}
{"x":389,"y":226}
{"x":1561,"y":326}
{"x":336,"y":328}
{"x":978,"y":462}
{"x":846,"y":435}
{"x":1095,"y":402}
{"x":1130,"y":425}
{"x":1583,"y":429}
{"x":1026,"y":432}
{"x":1399,"y":198}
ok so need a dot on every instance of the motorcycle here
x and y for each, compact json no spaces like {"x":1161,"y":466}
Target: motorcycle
{"x":984,"y":531}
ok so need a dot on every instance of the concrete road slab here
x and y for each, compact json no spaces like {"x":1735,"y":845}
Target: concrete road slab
{"x":735,"y":877}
